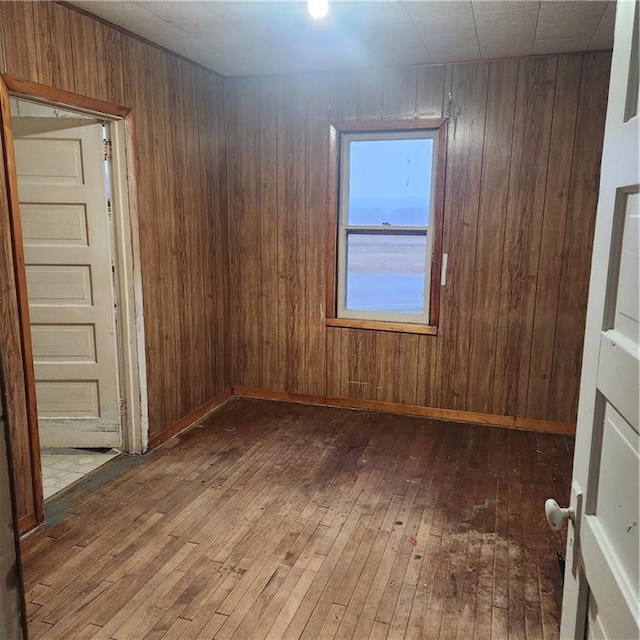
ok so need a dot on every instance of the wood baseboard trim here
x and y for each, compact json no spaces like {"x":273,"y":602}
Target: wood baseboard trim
{"x":26,"y":522}
{"x":449,"y":415}
{"x":190,"y":419}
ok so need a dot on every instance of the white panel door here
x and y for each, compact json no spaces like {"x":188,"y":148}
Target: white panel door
{"x":602,"y":571}
{"x":67,"y":246}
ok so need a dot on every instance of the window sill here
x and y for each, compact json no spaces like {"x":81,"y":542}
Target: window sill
{"x":375,"y":325}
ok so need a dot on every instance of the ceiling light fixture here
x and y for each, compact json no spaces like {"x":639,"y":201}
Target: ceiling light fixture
{"x":318,"y":9}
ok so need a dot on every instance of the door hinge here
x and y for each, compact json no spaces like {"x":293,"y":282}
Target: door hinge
{"x":114,"y":282}
{"x":106,"y":149}
{"x":123,"y":407}
{"x":109,"y":209}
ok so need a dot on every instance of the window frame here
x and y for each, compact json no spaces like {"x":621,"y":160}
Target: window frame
{"x":340,"y":133}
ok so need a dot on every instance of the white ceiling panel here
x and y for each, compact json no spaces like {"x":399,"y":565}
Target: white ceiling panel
{"x":427,"y":10}
{"x":456,"y":55}
{"x":213,"y":33}
{"x":438,"y":42}
{"x":490,"y":6}
{"x":506,"y":33}
{"x":459,"y":26}
{"x":363,"y":13}
{"x":246,"y":38}
{"x":607,"y":23}
{"x":506,"y":50}
{"x":507,"y":22}
{"x":560,"y":46}
{"x":175,"y":12}
{"x":569,"y":20}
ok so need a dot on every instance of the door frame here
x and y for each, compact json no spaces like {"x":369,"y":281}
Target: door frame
{"x":130,"y":320}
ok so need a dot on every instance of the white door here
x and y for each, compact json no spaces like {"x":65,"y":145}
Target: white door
{"x":601,"y":579}
{"x":70,"y":284}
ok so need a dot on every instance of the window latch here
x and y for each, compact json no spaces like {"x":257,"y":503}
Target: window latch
{"x":443,"y":270}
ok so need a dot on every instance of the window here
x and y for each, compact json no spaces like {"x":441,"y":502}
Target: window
{"x":388,"y":234}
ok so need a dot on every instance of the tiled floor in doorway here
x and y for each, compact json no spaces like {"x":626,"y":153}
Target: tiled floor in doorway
{"x":63,"y":467}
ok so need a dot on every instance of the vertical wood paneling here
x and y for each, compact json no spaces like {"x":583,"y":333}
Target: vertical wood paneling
{"x":268,"y":243}
{"x":344,"y":96}
{"x":109,"y":77}
{"x":190,"y":311}
{"x":212,"y":280}
{"x":194,"y":227}
{"x":245,"y":230}
{"x":553,"y":234}
{"x":313,"y":380}
{"x":193,"y":311}
{"x":169,"y":166}
{"x":179,"y":153}
{"x":370,"y":95}
{"x":334,"y":363}
{"x":462,"y":195}
{"x":213,"y":148}
{"x":362,"y":364}
{"x":3,"y":64}
{"x":399,"y":98}
{"x":430,"y":92}
{"x":583,"y":199}
{"x":19,"y":43}
{"x":507,"y":205}
{"x":291,"y":149}
{"x":496,"y":159}
{"x":525,"y":204}
{"x":84,"y":52}
{"x":405,"y":380}
{"x":53,"y":45}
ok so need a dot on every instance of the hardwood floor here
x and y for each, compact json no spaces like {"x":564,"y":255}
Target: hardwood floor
{"x":277,"y":520}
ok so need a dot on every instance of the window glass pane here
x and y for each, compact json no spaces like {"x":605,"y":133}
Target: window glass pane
{"x":386,"y":272}
{"x":390,"y":182}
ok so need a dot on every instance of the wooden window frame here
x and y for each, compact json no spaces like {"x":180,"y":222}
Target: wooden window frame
{"x":336,"y":132}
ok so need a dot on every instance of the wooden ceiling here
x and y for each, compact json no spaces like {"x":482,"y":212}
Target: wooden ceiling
{"x":249,"y":38}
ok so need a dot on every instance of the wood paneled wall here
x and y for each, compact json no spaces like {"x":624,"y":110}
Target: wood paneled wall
{"x":522,"y":180}
{"x":11,"y":586}
{"x":521,"y":193}
{"x":179,"y":152}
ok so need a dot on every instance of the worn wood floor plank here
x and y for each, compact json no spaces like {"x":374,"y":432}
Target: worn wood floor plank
{"x":285,"y":521}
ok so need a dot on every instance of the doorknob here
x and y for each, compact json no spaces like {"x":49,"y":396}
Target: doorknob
{"x":557,"y":515}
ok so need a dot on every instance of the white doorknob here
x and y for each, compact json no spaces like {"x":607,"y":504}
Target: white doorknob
{"x":556,"y":515}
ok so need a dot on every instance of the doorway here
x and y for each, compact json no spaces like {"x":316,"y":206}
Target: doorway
{"x":71,"y":178}
{"x":67,"y":239}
